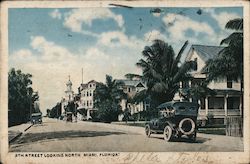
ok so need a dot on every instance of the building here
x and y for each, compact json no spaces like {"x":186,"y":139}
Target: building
{"x":69,"y":96}
{"x":87,"y":97}
{"x":228,"y":98}
{"x":131,"y":87}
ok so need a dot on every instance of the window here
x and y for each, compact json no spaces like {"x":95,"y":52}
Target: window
{"x":87,"y":103}
{"x":216,"y":103}
{"x":90,"y":85}
{"x":196,"y":63}
{"x":90,"y":94}
{"x":90,"y":103}
{"x":129,"y":89}
{"x":229,"y":83}
{"x":87,"y":93}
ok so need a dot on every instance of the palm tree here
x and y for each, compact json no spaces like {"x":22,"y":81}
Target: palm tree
{"x":229,"y":62}
{"x":107,"y":99}
{"x":162,"y":71}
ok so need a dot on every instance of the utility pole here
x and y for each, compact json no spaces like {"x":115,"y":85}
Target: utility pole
{"x":82,"y":75}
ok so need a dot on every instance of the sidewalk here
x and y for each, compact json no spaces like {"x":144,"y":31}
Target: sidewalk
{"x":15,"y":131}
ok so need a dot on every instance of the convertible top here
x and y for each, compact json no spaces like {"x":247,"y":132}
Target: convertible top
{"x":177,"y":103}
{"x":181,"y":108}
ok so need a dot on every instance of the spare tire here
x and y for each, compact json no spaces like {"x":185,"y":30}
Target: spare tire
{"x":187,"y":126}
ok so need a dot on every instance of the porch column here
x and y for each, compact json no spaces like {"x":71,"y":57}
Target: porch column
{"x":240,"y":106}
{"x":206,"y":105}
{"x":190,"y":85}
{"x":88,"y":113}
{"x":225,"y":105}
{"x":180,"y":84}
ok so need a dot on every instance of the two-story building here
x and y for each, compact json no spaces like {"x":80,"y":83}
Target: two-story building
{"x":87,"y":97}
{"x":228,"y":98}
{"x":131,"y":87}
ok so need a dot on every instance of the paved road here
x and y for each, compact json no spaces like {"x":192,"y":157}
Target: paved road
{"x":58,"y":136}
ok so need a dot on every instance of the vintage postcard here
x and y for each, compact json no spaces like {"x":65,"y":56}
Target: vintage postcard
{"x":124,"y":82}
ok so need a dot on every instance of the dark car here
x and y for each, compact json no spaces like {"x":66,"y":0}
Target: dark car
{"x":36,"y":118}
{"x":175,"y":119}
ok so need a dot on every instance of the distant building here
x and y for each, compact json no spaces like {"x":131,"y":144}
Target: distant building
{"x":131,"y":87}
{"x":69,"y":96}
{"x":87,"y":97}
{"x":228,"y":98}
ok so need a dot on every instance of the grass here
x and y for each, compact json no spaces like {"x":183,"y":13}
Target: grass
{"x":218,"y":131}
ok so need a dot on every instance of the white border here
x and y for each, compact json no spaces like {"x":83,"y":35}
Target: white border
{"x":168,"y":157}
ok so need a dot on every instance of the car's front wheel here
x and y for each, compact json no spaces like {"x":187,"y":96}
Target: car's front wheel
{"x":167,"y":133}
{"x":147,"y":130}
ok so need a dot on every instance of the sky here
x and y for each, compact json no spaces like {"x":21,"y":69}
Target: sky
{"x":52,"y":43}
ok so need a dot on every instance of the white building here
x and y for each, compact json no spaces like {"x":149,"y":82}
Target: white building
{"x":87,"y":97}
{"x":228,"y":98}
{"x":69,"y":96}
{"x":131,"y":87}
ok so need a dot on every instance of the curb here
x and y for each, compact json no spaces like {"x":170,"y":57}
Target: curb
{"x":14,"y":138}
{"x":28,"y":127}
{"x":19,"y":134}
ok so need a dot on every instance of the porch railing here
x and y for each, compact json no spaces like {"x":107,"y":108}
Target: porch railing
{"x":220,"y":113}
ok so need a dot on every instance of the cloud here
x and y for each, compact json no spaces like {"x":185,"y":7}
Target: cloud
{"x":50,"y":64}
{"x":178,"y":25}
{"x":56,"y":14}
{"x":153,"y":35}
{"x":117,"y":39}
{"x":222,"y":17}
{"x":76,"y":18}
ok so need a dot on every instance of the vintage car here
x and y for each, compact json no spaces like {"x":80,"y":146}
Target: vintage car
{"x":175,"y":119}
{"x":69,"y":116}
{"x":36,"y":118}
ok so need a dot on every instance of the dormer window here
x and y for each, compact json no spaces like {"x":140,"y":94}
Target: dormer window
{"x":195,"y":67}
{"x":90,"y":85}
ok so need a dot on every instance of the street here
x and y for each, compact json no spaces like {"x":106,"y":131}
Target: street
{"x":60,"y":136}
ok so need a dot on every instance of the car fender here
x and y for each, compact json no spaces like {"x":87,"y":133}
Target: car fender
{"x":170,"y":124}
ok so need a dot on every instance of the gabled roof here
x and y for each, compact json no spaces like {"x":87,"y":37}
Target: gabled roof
{"x":205,"y":52}
{"x":92,"y":81}
{"x":135,"y":83}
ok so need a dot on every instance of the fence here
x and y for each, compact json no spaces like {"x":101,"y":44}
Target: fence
{"x":234,"y":126}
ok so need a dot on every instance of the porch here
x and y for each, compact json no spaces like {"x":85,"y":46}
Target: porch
{"x":225,"y":103}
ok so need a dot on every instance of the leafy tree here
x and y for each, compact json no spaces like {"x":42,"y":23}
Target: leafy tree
{"x":56,"y":111}
{"x":162,"y":71}
{"x":21,"y":96}
{"x":107,"y":100}
{"x":229,"y":63}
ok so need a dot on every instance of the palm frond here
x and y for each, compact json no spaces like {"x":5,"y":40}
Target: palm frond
{"x":178,"y":57}
{"x":235,"y":24}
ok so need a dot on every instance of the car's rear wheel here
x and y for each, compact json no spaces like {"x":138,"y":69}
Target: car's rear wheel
{"x":147,"y":130}
{"x":167,"y":133}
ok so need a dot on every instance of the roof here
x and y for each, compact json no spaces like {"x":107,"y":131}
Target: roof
{"x":227,"y":91}
{"x":92,"y":81}
{"x":205,"y":52}
{"x":130,"y":82}
{"x":84,"y":86}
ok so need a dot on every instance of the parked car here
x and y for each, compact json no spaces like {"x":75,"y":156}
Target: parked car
{"x":174,"y":120}
{"x":69,"y":117}
{"x":36,"y":118}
